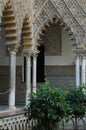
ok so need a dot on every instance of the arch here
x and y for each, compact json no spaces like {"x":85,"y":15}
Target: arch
{"x":51,"y":20}
{"x":26,"y":32}
{"x":10,"y":24}
{"x":49,"y":8}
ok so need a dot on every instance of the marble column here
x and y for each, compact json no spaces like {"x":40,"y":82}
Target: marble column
{"x":12,"y":80}
{"x":34,"y":72}
{"x":28,"y":77}
{"x":77,"y":70}
{"x":83,"y":63}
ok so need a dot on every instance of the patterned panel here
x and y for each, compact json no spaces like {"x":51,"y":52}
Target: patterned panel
{"x":48,"y":7}
{"x":42,"y":16}
{"x":77,"y":12}
{"x":71,"y":16}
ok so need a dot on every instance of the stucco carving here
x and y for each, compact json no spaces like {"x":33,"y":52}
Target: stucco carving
{"x":70,"y":12}
{"x":20,"y":9}
{"x":71,"y":16}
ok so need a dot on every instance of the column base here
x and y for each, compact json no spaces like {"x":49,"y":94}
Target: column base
{"x":11,"y":108}
{"x":34,"y":88}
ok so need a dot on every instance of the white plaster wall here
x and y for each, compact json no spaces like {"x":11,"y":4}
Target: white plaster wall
{"x":67,"y":57}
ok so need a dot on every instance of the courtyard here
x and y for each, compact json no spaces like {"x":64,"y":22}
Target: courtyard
{"x":39,"y":39}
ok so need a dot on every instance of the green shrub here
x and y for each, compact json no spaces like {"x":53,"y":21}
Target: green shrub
{"x":77,"y":102}
{"x":48,"y":106}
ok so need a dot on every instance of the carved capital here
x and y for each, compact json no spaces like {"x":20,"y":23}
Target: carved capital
{"x":35,"y":53}
{"x":79,"y":52}
{"x":27,"y":53}
{"x":13,"y":47}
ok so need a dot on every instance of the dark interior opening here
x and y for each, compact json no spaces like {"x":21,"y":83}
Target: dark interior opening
{"x":24,"y":69}
{"x":40,"y":64}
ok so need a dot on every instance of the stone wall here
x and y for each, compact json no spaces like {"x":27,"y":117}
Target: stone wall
{"x":60,"y":76}
{"x":60,"y":70}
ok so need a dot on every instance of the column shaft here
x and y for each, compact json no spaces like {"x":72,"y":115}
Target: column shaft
{"x":28,"y":78}
{"x":12,"y":79}
{"x":34,"y":72}
{"x":77,"y":71}
{"x":83,"y":71}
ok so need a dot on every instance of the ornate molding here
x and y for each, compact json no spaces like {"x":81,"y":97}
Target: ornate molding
{"x":79,"y":52}
{"x":13,"y":47}
{"x":61,"y":8}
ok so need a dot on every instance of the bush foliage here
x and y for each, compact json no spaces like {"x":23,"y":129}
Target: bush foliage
{"x":48,"y":106}
{"x":77,"y":102}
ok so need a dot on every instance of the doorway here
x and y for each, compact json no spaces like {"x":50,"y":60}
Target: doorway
{"x":40,"y":65}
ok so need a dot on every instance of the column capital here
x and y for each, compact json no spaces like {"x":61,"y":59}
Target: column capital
{"x":79,"y":52}
{"x":13,"y":47}
{"x":28,"y":53}
{"x":77,"y":56}
{"x":11,"y":52}
{"x":35,"y":53}
{"x":83,"y":56}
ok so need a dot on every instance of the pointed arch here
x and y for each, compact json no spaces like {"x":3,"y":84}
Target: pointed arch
{"x":47,"y":24}
{"x":44,"y":11}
